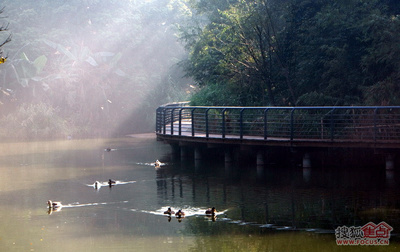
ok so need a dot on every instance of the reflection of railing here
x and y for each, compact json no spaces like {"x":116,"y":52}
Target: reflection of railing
{"x":356,"y":123}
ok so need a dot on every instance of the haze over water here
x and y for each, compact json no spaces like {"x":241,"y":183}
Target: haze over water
{"x":285,"y":210}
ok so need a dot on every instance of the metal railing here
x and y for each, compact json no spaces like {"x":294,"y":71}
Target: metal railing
{"x":355,"y":123}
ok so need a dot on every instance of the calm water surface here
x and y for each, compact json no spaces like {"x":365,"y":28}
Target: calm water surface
{"x":285,"y":209}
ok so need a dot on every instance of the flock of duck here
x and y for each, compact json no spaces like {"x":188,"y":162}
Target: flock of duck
{"x":56,"y":205}
{"x":180,"y":214}
{"x":210,"y":212}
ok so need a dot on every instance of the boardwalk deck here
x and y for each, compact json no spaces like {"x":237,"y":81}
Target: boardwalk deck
{"x":186,"y":136}
{"x":313,"y":127}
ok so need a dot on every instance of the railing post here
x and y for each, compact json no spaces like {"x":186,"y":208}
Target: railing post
{"x":163,"y":120}
{"x":292,"y":124}
{"x":332,"y":124}
{"x":157,"y":120}
{"x":206,"y":115}
{"x":223,"y":123}
{"x":241,"y":123}
{"x":192,"y":114}
{"x":265,"y":124}
{"x":180,"y":122}
{"x":375,"y":124}
{"x":172,"y":121}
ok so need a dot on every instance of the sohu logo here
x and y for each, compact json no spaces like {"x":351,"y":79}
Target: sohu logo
{"x":369,"y":234}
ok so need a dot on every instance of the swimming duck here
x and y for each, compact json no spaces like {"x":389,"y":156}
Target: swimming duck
{"x":111,"y":182}
{"x":180,"y":214}
{"x":211,"y":211}
{"x":169,"y":211}
{"x":107,"y":149}
{"x":97,"y":185}
{"x":157,"y":163}
{"x":54,"y":205}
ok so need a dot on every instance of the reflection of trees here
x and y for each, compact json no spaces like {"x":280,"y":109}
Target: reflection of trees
{"x":284,"y":199}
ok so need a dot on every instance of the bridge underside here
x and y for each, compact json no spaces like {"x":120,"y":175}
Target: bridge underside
{"x":304,"y":153}
{"x":277,"y":142}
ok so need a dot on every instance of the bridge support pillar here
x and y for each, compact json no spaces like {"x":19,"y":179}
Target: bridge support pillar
{"x":306,"y":160}
{"x":197,"y":158}
{"x":197,"y":154}
{"x":184,"y":153}
{"x":229,"y":162}
{"x":175,"y":151}
{"x":306,"y":174}
{"x":228,"y":157}
{"x":389,"y":162}
{"x":260,"y":164}
{"x":260,"y":158}
{"x":390,"y":178}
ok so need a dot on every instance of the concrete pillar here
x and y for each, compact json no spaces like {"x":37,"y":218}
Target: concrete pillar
{"x":228,"y":169}
{"x":228,"y":162}
{"x":306,"y":160}
{"x":260,"y":158}
{"x":197,"y":158}
{"x":197,"y":154}
{"x":390,"y":178}
{"x":175,"y":151}
{"x":184,"y":153}
{"x":197,"y":164}
{"x":389,"y":162}
{"x":228,"y":156}
{"x":260,"y":171}
{"x":306,"y":174}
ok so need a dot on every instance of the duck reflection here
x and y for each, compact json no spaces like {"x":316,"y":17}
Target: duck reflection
{"x":212,"y":218}
{"x":51,"y":210}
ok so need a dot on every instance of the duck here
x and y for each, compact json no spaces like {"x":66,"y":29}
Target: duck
{"x":169,"y":211}
{"x":54,"y":205}
{"x":107,"y":149}
{"x":97,"y":185}
{"x":111,"y":182}
{"x":157,"y":163}
{"x":211,"y":211}
{"x":180,"y":214}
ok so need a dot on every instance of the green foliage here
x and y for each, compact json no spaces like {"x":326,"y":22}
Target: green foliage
{"x":215,"y":95}
{"x":298,"y":52}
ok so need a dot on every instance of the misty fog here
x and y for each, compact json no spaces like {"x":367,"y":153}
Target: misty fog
{"x":89,"y":68}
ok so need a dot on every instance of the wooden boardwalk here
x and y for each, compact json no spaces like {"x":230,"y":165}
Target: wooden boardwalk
{"x":361,"y":132}
{"x":315,"y":127}
{"x":185,"y":135}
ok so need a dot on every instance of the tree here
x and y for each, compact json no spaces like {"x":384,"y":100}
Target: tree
{"x":298,"y":52}
{"x":4,"y":28}
{"x":5,"y":94}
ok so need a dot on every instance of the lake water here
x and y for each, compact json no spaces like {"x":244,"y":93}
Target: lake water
{"x":287,"y":209}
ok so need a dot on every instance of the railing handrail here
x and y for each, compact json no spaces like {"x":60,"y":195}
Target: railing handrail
{"x":183,"y":104}
{"x":330,"y":123}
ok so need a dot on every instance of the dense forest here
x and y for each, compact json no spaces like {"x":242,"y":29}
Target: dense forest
{"x":94,"y":68}
{"x":296,"y":52}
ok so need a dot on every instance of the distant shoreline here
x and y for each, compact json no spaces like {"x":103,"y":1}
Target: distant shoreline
{"x":143,"y":135}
